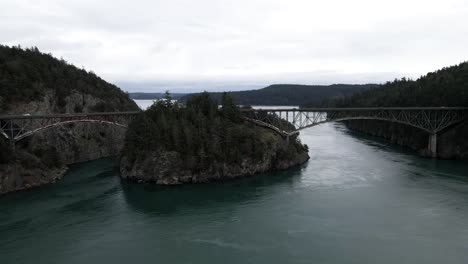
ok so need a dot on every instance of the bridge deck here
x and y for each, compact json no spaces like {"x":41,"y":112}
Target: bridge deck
{"x":318,"y":109}
{"x":42,"y":116}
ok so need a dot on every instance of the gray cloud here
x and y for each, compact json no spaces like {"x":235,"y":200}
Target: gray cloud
{"x":224,"y":44}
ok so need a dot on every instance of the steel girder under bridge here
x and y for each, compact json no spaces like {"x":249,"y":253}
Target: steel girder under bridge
{"x":288,"y":122}
{"x":18,"y":127}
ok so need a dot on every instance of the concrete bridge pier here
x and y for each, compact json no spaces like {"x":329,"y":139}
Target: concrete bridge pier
{"x":432,"y":147}
{"x":18,"y":178}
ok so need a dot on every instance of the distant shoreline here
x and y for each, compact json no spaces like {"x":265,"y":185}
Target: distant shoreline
{"x":154,"y":96}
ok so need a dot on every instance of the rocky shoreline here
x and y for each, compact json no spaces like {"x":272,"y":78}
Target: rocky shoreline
{"x":219,"y":172}
{"x":166,"y":168}
{"x":452,"y":143}
{"x":29,"y":179}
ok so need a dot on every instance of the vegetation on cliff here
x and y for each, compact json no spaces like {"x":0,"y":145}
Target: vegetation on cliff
{"x":201,"y":133}
{"x":445,"y":87}
{"x":27,"y":74}
{"x":34,"y":82}
{"x":290,"y":94}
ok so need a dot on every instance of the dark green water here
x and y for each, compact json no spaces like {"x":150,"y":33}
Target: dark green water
{"x":355,"y":201}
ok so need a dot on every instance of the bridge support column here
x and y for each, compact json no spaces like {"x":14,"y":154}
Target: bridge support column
{"x":18,"y":178}
{"x":432,"y":147}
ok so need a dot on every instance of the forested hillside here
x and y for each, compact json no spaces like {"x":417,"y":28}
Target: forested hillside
{"x":445,"y":87}
{"x":27,"y":75}
{"x":32,"y":82}
{"x":290,"y":94}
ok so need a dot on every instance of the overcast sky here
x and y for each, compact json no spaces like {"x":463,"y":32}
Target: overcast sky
{"x":187,"y":45}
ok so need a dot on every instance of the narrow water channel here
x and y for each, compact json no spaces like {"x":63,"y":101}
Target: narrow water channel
{"x":357,"y":200}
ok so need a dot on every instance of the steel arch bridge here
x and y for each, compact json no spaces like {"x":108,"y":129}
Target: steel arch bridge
{"x":18,"y":127}
{"x":286,"y":122}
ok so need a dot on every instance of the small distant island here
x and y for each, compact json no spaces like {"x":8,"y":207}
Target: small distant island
{"x":202,"y":142}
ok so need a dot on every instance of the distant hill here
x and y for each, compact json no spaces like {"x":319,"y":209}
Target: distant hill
{"x":445,"y":87}
{"x":151,"y":96}
{"x":290,"y":94}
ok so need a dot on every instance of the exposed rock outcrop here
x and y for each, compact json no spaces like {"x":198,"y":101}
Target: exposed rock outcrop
{"x":42,"y":158}
{"x":167,"y":168}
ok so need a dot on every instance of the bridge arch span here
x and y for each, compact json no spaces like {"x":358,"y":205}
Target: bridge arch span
{"x":18,"y":127}
{"x":365,"y":118}
{"x":3,"y":134}
{"x":432,"y":120}
{"x":58,"y":124}
{"x":294,"y":132}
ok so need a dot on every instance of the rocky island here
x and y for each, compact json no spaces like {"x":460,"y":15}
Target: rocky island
{"x":201,"y":143}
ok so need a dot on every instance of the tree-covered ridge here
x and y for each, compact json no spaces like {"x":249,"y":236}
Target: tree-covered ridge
{"x":201,"y":132}
{"x":445,"y":87}
{"x":27,"y":74}
{"x":290,"y":94}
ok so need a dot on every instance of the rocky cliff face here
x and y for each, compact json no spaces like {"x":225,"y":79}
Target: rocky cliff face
{"x":42,"y":158}
{"x":452,"y":143}
{"x":166,"y":168}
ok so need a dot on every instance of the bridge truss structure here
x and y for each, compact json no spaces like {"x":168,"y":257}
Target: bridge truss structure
{"x":289,"y":122}
{"x":18,"y":127}
{"x":430,"y":119}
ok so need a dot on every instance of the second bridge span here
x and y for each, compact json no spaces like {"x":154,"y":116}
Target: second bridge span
{"x":429,"y":119}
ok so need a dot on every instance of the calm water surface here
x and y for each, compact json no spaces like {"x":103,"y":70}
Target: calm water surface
{"x":356,"y":201}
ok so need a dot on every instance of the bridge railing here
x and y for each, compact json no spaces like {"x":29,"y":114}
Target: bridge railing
{"x":67,"y":116}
